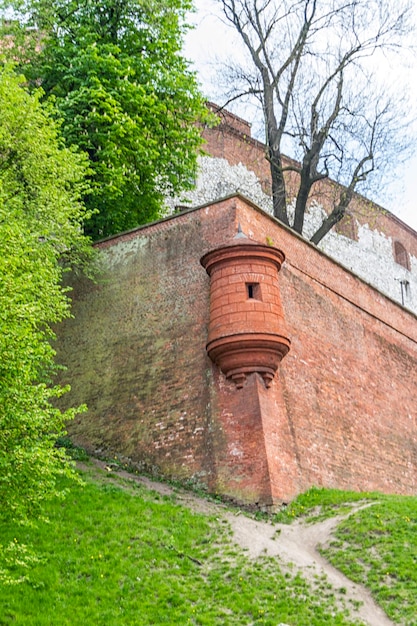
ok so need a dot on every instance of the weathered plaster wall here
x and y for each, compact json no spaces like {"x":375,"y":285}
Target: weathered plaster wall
{"x":238,"y":165}
{"x":340,"y":411}
{"x":371,"y":255}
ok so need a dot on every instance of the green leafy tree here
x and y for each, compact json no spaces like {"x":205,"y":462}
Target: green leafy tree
{"x":125,"y":94}
{"x":41,"y":216}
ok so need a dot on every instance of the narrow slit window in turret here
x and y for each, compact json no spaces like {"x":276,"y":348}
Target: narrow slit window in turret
{"x":254,"y":291}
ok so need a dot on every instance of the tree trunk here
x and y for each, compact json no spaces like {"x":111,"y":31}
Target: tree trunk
{"x":334,"y":217}
{"x":279,"y":199}
{"x":301,"y":202}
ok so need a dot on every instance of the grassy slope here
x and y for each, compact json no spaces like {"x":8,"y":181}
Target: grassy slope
{"x":376,"y":546}
{"x":115,"y":557}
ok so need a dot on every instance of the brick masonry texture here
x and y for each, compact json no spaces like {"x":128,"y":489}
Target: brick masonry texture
{"x":364,"y":241}
{"x":340,"y":411}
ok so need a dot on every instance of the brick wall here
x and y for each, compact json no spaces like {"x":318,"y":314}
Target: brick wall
{"x":370,"y":241}
{"x":231,"y":140}
{"x":340,"y":411}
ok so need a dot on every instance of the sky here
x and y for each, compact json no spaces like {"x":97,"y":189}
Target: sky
{"x":209,"y":41}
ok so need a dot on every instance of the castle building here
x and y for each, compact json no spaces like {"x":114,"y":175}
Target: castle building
{"x":220,"y":348}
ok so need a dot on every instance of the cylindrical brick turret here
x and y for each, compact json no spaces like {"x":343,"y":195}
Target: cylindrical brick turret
{"x":247,"y":331}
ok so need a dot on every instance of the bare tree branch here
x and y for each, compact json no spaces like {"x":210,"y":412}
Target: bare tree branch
{"x":311,"y":62}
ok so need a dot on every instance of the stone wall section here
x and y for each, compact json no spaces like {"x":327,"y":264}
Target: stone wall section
{"x":135,"y":348}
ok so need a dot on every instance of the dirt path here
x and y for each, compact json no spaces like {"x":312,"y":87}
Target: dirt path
{"x":295,"y":545}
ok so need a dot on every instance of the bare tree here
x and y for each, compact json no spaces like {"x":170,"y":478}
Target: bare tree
{"x":311,"y":66}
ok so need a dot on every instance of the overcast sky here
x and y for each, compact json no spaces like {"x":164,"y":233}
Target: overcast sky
{"x":209,"y":41}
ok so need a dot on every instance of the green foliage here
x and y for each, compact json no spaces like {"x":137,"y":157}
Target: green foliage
{"x":126,"y":96}
{"x":77,"y":453}
{"x":41,"y":184}
{"x":130,"y":556}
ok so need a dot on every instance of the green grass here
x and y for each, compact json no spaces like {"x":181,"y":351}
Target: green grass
{"x":376,"y":546}
{"x":318,"y":504}
{"x":115,"y":553}
{"x":112,"y":556}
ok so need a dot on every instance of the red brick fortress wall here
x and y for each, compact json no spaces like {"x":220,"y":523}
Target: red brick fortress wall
{"x":349,"y":382}
{"x":340,"y":411}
